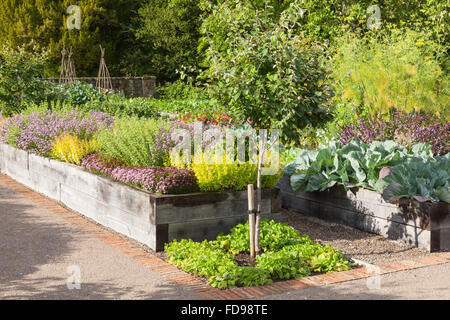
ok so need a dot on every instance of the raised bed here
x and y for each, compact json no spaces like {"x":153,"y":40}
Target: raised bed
{"x":424,"y":225}
{"x":149,"y":218}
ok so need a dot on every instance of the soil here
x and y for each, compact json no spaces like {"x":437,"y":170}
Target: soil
{"x":353,"y":243}
{"x":244,"y":260}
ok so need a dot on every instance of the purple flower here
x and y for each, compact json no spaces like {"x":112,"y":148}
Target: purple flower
{"x":153,"y":178}
{"x":405,"y":129}
{"x":38,"y":131}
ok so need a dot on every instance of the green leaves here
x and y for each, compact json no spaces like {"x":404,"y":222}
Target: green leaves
{"x":394,"y":67}
{"x":265,"y":72}
{"x":138,"y":142}
{"x":414,"y":173}
{"x":20,"y":78}
{"x":284,"y":264}
{"x":423,"y":180}
{"x":273,"y":237}
{"x":287,"y":254}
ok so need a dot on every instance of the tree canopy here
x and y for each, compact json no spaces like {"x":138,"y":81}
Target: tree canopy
{"x":158,"y":37}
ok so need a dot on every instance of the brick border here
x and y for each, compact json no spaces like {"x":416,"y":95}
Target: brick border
{"x":197,"y":286}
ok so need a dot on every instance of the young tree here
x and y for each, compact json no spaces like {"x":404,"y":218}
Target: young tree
{"x":265,"y":74}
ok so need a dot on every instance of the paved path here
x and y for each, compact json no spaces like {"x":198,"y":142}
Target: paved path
{"x":41,"y":251}
{"x":424,"y":283}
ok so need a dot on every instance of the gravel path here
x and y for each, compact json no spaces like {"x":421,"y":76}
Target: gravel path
{"x":353,"y":243}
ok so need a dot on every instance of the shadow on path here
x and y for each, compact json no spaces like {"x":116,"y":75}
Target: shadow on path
{"x":29,"y":242}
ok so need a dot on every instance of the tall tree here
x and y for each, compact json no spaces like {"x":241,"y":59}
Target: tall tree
{"x":42,"y":24}
{"x":169,"y":31}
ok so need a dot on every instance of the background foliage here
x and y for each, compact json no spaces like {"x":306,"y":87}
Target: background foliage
{"x":40,"y":25}
{"x":164,"y":35}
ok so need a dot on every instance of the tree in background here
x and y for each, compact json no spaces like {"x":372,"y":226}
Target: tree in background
{"x":41,"y":25}
{"x":169,"y":32}
{"x":326,"y":20}
{"x":158,"y":37}
{"x":20,"y":79}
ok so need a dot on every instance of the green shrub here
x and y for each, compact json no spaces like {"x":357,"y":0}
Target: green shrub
{"x":234,"y":176}
{"x":399,"y":69}
{"x":181,"y":90}
{"x":20,"y":79}
{"x":138,"y":142}
{"x":263,"y":72}
{"x":168,"y":31}
{"x":80,"y":93}
{"x":119,"y":105}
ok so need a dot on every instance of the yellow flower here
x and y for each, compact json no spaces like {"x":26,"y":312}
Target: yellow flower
{"x":70,"y":148}
{"x":2,"y":121}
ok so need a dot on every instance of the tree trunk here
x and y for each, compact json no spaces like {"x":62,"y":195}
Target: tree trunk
{"x":262,"y":147}
{"x":251,"y":220}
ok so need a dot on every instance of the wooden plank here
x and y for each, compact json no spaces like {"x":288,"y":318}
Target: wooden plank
{"x":215,"y":210}
{"x":123,"y":197}
{"x":132,"y":225}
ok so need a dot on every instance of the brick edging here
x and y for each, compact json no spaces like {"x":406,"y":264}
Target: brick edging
{"x":199,"y":287}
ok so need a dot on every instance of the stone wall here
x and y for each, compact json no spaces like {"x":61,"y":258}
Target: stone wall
{"x":131,"y":87}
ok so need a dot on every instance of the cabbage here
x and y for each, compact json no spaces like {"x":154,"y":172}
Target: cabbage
{"x":415,"y":173}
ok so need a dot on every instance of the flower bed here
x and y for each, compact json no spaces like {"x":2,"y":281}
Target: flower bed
{"x":421,"y":224}
{"x":153,"y":179}
{"x":133,"y":185}
{"x":153,"y":219}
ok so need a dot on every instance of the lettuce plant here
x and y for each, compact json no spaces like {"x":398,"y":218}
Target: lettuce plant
{"x":287,"y":255}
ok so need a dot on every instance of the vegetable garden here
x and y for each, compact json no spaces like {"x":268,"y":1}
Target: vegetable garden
{"x":367,"y":110}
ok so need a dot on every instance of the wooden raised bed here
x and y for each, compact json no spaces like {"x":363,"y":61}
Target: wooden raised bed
{"x":152,"y":219}
{"x":424,"y":225}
